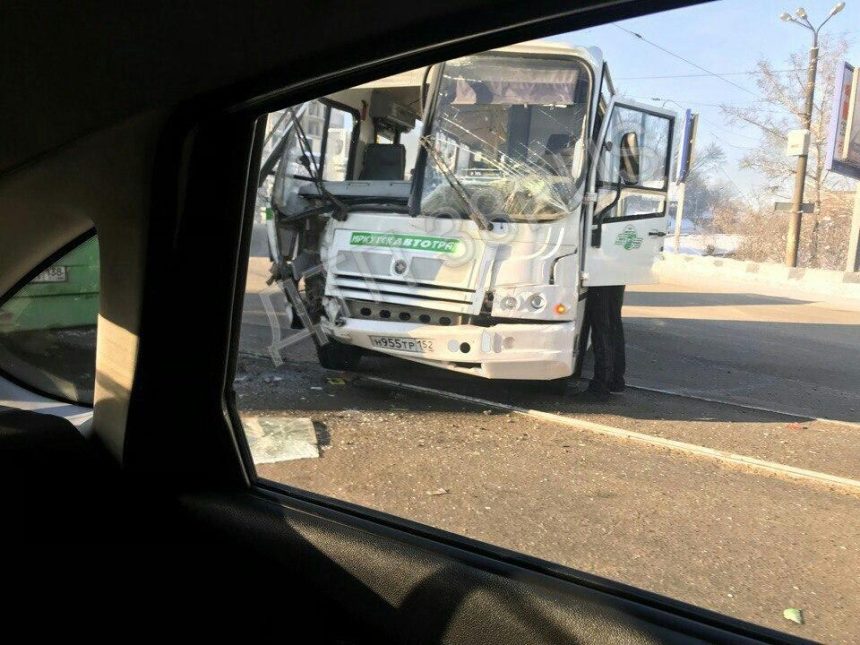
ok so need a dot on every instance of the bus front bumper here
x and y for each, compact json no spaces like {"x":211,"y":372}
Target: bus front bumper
{"x":528,"y":351}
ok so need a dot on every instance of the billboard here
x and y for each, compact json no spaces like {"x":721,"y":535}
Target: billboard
{"x":851,"y":143}
{"x":843,"y":140}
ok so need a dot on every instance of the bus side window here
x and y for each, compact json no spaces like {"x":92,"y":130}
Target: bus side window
{"x":338,"y":144}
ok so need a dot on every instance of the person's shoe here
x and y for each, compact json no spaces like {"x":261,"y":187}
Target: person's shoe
{"x":617,"y":386}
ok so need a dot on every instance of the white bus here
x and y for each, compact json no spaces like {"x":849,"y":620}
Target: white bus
{"x":532,"y":182}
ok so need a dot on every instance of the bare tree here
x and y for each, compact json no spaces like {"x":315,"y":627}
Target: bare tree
{"x":703,"y":191}
{"x":781,"y":109}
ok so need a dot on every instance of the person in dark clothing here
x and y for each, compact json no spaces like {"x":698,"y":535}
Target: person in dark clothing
{"x":603,"y":319}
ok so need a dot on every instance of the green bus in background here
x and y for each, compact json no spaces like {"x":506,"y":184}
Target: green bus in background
{"x":63,"y":296}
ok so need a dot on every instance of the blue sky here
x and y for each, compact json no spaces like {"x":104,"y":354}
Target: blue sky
{"x":725,"y":37}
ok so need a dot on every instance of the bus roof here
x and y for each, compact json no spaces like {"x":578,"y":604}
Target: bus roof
{"x":414,"y":77}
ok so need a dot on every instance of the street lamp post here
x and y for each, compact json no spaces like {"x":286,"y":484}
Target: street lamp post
{"x":793,"y":240}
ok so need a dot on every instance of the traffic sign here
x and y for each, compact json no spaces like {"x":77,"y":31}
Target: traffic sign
{"x":786,"y":206}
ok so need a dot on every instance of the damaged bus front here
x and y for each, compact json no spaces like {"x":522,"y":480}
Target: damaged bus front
{"x":531,"y":182}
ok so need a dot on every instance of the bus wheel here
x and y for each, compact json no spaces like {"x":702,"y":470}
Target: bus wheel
{"x":337,"y":356}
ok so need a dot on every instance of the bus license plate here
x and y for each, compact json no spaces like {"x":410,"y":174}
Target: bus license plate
{"x":403,"y":344}
{"x":52,"y":274}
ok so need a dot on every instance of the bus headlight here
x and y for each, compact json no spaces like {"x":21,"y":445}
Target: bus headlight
{"x":537,"y":301}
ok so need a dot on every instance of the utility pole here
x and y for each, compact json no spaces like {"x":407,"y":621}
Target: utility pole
{"x":795,"y":217}
{"x":796,"y":214}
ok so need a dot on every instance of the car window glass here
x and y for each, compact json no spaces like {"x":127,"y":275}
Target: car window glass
{"x":48,"y":327}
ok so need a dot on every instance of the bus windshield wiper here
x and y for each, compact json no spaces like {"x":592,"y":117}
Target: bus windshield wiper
{"x":474,"y":214}
{"x":379,"y":204}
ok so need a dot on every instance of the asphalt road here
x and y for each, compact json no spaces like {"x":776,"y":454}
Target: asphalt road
{"x":779,"y":353}
{"x":728,"y":538}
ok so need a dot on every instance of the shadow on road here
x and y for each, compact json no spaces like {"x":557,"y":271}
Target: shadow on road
{"x":304,"y":386}
{"x":812,"y":369}
{"x":304,"y":389}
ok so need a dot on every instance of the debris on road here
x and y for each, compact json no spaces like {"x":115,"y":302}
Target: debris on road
{"x":275,"y":439}
{"x":438,"y":491}
{"x":794,"y":615}
{"x":335,"y":381}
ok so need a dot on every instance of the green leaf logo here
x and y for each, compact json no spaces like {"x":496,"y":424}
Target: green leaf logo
{"x":628,"y":239}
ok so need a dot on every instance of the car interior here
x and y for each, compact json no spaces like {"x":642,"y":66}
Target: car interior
{"x":143,"y":126}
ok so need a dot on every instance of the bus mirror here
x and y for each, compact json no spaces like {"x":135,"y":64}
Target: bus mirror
{"x":629,"y":169}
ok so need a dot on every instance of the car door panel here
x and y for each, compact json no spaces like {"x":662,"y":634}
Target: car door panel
{"x":408,"y":588}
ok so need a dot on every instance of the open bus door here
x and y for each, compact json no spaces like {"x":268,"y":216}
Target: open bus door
{"x":630,"y":178}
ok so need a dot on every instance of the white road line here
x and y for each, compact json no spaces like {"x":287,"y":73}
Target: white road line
{"x":745,"y":406}
{"x":769,"y":467}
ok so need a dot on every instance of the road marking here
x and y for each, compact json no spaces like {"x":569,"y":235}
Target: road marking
{"x":769,"y":467}
{"x":745,"y":406}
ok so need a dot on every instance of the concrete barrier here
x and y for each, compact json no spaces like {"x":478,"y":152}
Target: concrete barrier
{"x":817,"y":284}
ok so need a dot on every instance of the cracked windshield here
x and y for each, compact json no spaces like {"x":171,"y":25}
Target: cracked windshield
{"x":593,"y":299}
{"x":503,"y":138}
